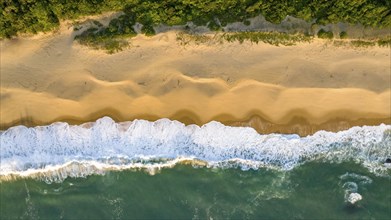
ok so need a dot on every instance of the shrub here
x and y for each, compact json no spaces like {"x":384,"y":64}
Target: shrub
{"x":343,"y":35}
{"x":110,"y":38}
{"x":325,"y":34}
{"x":213,"y":26}
{"x":148,"y":30}
{"x":246,"y":22}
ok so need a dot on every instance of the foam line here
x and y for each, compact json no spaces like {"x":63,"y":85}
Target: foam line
{"x":106,"y":145}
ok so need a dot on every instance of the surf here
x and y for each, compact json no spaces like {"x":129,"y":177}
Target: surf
{"x":58,"y":151}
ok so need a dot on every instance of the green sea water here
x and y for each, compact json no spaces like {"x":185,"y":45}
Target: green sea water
{"x":315,"y":190}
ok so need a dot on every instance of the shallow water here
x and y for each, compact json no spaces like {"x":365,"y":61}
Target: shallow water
{"x":314,"y":190}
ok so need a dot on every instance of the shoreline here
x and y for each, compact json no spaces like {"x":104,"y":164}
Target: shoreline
{"x":297,"y":124}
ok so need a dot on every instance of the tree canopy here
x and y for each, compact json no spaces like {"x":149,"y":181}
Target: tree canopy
{"x":32,"y":16}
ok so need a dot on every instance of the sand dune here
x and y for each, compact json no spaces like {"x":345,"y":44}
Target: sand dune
{"x":300,"y":88}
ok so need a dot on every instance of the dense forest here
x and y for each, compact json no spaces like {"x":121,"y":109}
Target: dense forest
{"x":32,"y":16}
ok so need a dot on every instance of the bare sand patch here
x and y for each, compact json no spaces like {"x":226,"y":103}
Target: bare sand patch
{"x":295,"y":89}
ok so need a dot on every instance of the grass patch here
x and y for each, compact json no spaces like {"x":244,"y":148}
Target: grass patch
{"x":382,"y":42}
{"x":340,"y":43}
{"x":185,"y":38}
{"x":362,"y":43}
{"x":273,"y":38}
{"x":386,"y":42}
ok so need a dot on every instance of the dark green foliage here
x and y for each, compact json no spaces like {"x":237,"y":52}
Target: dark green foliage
{"x":325,"y":34}
{"x":275,"y":11}
{"x":246,"y":22}
{"x":148,"y":30}
{"x":32,"y":16}
{"x":97,"y":23}
{"x":212,"y":25}
{"x":343,"y":35}
{"x":111,"y":45}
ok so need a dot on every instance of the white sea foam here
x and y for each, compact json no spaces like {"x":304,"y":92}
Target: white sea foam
{"x":351,"y":187}
{"x":354,"y":197}
{"x":60,"y":150}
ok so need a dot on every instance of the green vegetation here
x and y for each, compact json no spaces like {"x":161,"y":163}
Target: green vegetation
{"x":148,"y":30}
{"x":343,"y":35}
{"x":185,"y":38}
{"x":273,"y":38}
{"x":363,"y":43}
{"x":94,"y":39}
{"x":386,"y":42}
{"x":32,"y":16}
{"x":110,"y":38}
{"x":214,"y":26}
{"x":325,"y":34}
{"x":382,"y":42}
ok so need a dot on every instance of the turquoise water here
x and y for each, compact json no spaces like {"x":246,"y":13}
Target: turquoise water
{"x":315,"y":190}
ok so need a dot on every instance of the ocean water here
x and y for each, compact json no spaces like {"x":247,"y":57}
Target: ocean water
{"x":164,"y":169}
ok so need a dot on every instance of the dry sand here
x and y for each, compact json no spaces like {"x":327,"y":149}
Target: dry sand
{"x":299,"y":89}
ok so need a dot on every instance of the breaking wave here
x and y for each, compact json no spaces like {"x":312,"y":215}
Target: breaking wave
{"x":58,"y":151}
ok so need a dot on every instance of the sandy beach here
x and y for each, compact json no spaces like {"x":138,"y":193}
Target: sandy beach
{"x":288,"y":89}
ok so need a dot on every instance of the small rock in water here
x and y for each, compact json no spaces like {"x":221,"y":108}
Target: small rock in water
{"x":354,"y":197}
{"x":388,"y":160}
